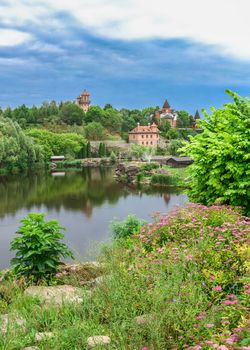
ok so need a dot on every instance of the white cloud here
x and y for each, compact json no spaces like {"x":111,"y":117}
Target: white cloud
{"x":221,"y":24}
{"x":11,"y":37}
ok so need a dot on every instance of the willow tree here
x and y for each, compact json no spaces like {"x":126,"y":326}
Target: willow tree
{"x":221,"y":154}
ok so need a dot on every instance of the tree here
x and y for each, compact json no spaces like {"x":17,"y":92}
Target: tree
{"x":88,"y":150}
{"x":112,"y":120}
{"x":71,"y":113}
{"x":172,"y":134}
{"x":102,"y":150}
{"x":164,"y":126}
{"x":174,"y":147}
{"x":67,"y":144}
{"x":17,"y":149}
{"x":94,"y":114}
{"x":95,"y":131}
{"x":183,"y":120}
{"x":108,"y":106}
{"x":221,"y":154}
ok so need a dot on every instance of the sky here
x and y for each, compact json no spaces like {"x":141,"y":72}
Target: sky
{"x":130,"y":53}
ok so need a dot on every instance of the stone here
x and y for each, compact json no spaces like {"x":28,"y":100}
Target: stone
{"x":42,"y":335}
{"x":56,"y":294}
{"x":31,"y":348}
{"x":98,"y":340}
{"x":144,"y":320}
{"x":5,"y":320}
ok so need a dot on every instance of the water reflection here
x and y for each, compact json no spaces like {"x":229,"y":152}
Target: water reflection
{"x":84,"y":202}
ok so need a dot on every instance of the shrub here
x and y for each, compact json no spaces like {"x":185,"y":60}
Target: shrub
{"x":128,"y":227}
{"x":113,"y":157}
{"x":39,"y":248}
{"x":221,"y":169}
{"x":150,"y":166}
{"x":174,"y":147}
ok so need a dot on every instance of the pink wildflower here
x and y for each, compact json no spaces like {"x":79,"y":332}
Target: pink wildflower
{"x":227,"y":302}
{"x":247,"y":291}
{"x":209,"y":325}
{"x":217,"y":288}
{"x":231,"y":296}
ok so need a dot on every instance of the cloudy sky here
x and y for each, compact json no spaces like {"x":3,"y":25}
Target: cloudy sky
{"x":130,"y":53}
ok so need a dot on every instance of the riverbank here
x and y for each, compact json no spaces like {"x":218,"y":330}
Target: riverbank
{"x":153,"y":174}
{"x":180,"y":283}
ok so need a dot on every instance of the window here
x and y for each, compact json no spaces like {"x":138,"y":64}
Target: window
{"x":146,"y":136}
{"x":151,"y":142}
{"x":142,"y":136}
{"x":151,"y":136}
{"x":142,"y":142}
{"x":147,"y":143}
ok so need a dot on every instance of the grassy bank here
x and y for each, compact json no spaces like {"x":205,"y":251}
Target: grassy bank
{"x":153,"y":174}
{"x":180,"y":283}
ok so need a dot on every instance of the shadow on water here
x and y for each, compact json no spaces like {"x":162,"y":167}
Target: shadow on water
{"x":84,"y":202}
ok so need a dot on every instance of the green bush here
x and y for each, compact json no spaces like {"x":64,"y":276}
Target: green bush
{"x":113,"y":157}
{"x":128,"y":227}
{"x":221,"y":169}
{"x":150,"y":166}
{"x":38,"y":248}
{"x":174,"y":147}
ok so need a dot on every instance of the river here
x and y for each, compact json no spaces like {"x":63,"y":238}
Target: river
{"x":84,"y":202}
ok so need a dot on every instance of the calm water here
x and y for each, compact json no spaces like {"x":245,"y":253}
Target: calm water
{"x":83,"y":202}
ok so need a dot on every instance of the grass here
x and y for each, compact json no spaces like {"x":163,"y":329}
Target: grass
{"x":164,"y":176}
{"x":188,"y":273}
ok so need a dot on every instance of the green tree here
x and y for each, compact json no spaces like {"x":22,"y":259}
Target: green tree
{"x":88,"y":150}
{"x":112,"y":120}
{"x":174,"y":147}
{"x":67,"y":144}
{"x":16,"y":149}
{"x":172,"y":134}
{"x":95,"y":131}
{"x":183,"y":120}
{"x":94,"y":114}
{"x":221,"y":169}
{"x":71,"y":113}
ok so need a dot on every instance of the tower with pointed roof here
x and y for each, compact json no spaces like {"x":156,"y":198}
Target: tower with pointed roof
{"x":166,"y":107}
{"x":83,"y":100}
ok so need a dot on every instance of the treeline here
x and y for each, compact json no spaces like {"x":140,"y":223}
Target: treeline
{"x":21,"y":149}
{"x":97,"y":124}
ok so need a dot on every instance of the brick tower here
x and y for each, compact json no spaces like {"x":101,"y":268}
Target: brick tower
{"x":83,"y":100}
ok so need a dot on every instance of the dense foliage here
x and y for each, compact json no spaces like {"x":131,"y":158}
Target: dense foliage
{"x":128,"y":227}
{"x":38,"y":248}
{"x":17,"y":149}
{"x":190,"y":278}
{"x":221,"y":154}
{"x":67,"y":144}
{"x":180,"y":283}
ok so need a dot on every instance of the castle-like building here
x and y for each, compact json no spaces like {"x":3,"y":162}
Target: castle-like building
{"x":83,"y":100}
{"x":166,"y":113}
{"x":171,"y":115}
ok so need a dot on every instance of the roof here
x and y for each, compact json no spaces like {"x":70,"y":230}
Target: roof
{"x":57,"y":158}
{"x":197,"y":115}
{"x":166,"y":104}
{"x":142,"y":129}
{"x":85,"y":93}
